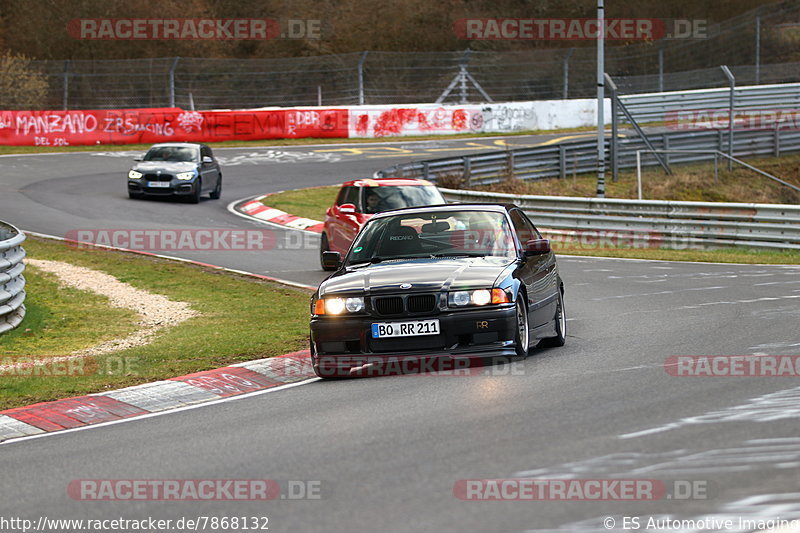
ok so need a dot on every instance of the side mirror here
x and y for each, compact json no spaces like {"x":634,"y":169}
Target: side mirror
{"x":207,"y":160}
{"x":331,"y":260}
{"x":347,"y":209}
{"x":537,"y":247}
{"x":138,"y":158}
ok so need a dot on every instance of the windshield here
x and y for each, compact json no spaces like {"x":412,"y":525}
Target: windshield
{"x":458,"y":233}
{"x":383,"y":198}
{"x":171,"y":153}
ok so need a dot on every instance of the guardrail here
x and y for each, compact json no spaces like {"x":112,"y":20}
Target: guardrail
{"x":12,"y":283}
{"x":657,"y":106}
{"x":654,"y":222}
{"x":577,"y":157}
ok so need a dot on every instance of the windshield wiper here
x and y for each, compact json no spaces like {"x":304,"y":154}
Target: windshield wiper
{"x":459,"y":254}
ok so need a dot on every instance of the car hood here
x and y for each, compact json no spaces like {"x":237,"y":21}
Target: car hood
{"x":424,"y":275}
{"x":165,"y":166}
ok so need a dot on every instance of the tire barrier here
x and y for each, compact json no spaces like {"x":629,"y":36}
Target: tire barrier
{"x":12,"y":283}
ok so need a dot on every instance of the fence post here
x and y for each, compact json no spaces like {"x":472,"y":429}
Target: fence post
{"x":172,"y":81}
{"x":758,"y":45}
{"x":562,"y":161}
{"x":361,"y":77}
{"x":666,"y":148}
{"x":776,"y":139}
{"x":732,"y":81}
{"x":467,"y":171}
{"x":426,"y":171}
{"x":66,"y":85}
{"x":613,"y":154}
{"x":565,"y":91}
{"x":661,"y":67}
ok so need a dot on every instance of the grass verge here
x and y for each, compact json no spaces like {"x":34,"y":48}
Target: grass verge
{"x":689,"y":182}
{"x":241,"y":319}
{"x":309,"y":203}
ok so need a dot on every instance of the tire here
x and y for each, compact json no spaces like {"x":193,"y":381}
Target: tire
{"x":324,"y":247}
{"x":560,"y":321}
{"x":194,"y":198}
{"x":217,"y":192}
{"x":522,"y":335}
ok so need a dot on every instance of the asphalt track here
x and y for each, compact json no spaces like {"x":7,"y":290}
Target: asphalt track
{"x":387,"y":452}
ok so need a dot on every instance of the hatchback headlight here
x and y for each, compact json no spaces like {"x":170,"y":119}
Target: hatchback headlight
{"x":185,"y":175}
{"x":133,"y":175}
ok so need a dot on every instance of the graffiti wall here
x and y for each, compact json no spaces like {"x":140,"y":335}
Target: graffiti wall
{"x":432,"y":119}
{"x":131,"y":126}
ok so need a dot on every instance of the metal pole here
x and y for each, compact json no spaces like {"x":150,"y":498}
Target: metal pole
{"x":601,"y":148}
{"x":172,"y":82}
{"x":758,"y":45}
{"x":716,"y":167}
{"x":614,"y":155}
{"x":661,"y":68}
{"x":463,"y":86}
{"x":361,"y":78}
{"x":66,"y":84}
{"x":732,"y":81}
{"x":639,"y":172}
{"x":319,"y":95}
{"x":565,"y":91}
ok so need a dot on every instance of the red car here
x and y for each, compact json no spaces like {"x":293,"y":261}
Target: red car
{"x":359,"y":199}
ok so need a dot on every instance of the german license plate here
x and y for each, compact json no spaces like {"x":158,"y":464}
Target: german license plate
{"x":162,"y":184}
{"x":382,"y":330}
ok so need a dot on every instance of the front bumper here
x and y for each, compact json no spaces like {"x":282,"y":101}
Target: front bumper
{"x":344,"y":343}
{"x":176,"y":188}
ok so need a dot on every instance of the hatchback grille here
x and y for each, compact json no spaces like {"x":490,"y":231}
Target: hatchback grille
{"x":421,"y":303}
{"x":158,"y":177}
{"x":389,"y":306}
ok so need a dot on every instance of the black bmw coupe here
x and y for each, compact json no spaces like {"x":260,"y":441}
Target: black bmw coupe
{"x":438,"y":283}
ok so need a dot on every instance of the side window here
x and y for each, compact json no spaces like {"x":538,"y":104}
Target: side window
{"x":523,"y":227}
{"x":341,"y":195}
{"x":206,"y":151}
{"x":348,"y":195}
{"x":352,"y":196}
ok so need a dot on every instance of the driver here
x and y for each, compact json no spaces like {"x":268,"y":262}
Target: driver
{"x":374,"y":204}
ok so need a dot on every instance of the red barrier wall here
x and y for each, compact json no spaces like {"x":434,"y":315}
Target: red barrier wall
{"x":130,"y":126}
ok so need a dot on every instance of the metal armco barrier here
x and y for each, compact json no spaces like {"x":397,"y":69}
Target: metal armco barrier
{"x":657,"y":106}
{"x":565,"y":159}
{"x":12,"y":283}
{"x":672,"y":224}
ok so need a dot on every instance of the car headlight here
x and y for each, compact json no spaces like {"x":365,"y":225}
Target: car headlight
{"x":185,"y":175}
{"x":338,"y":306}
{"x":133,"y":175}
{"x":477,"y":297}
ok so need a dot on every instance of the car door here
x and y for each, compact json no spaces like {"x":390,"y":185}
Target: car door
{"x":538,"y":273}
{"x":344,"y":226}
{"x":209,"y":172}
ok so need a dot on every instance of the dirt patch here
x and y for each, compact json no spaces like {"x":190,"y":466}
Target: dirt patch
{"x":156,"y":312}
